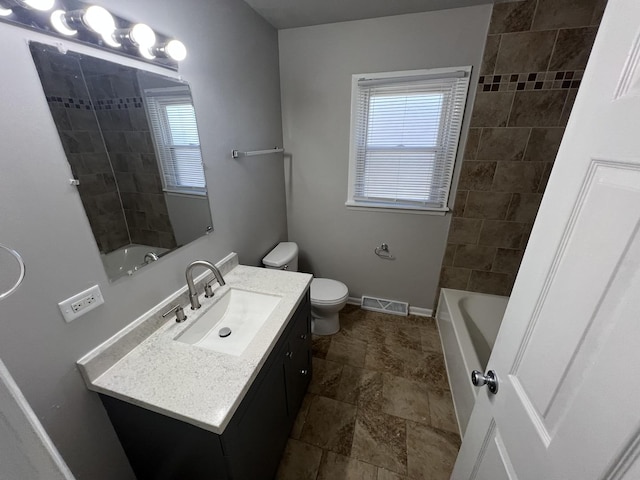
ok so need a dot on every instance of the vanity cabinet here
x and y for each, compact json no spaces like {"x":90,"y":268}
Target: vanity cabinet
{"x":160,"y":447}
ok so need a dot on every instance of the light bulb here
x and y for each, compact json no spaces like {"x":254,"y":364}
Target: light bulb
{"x":5,"y":12}
{"x":42,"y":5}
{"x":99,"y":20}
{"x":142,"y":35}
{"x":176,"y":50}
{"x":58,"y":21}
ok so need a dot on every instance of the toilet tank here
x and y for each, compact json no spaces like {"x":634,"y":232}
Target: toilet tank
{"x":283,"y":257}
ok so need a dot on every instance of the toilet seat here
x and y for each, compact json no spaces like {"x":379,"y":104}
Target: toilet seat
{"x":325,"y":291}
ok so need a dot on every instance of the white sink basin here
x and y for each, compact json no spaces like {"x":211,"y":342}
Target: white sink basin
{"x":241,"y":311}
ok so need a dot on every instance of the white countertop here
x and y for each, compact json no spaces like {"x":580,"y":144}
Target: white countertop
{"x":198,"y":386}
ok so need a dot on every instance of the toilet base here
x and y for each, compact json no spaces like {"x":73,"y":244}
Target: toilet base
{"x":325,"y":325}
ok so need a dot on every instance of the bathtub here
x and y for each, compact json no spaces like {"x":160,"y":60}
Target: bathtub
{"x":127,"y":259}
{"x":468,"y":324}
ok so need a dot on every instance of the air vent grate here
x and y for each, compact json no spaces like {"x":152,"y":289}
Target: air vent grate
{"x":385,"y":306}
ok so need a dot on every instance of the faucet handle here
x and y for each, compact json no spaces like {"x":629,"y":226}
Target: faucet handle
{"x":208,"y":291}
{"x":179,"y":311}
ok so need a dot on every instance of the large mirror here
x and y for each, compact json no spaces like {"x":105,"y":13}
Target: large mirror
{"x":132,"y":141}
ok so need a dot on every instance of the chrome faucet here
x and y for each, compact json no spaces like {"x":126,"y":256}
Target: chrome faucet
{"x":150,"y":257}
{"x":193,"y":294}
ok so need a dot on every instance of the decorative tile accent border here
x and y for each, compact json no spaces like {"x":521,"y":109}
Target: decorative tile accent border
{"x":104,"y":104}
{"x":531,"y":81}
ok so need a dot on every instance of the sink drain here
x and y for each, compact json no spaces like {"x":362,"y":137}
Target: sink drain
{"x":224,"y":332}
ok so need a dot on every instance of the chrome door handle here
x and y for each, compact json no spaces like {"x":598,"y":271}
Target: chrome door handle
{"x":490,"y":379}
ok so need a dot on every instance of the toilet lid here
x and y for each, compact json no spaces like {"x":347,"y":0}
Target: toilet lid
{"x":324,"y":290}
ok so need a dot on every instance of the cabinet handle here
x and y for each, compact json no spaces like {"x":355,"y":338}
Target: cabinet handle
{"x":304,"y":371}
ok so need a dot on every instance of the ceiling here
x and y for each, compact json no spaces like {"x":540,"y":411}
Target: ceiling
{"x":302,"y":13}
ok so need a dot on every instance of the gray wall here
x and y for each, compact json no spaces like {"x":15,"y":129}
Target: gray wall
{"x":232,"y":68}
{"x":316,"y":64}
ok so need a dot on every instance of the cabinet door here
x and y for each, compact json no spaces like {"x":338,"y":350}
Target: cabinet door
{"x":298,"y":359}
{"x":253,"y":443}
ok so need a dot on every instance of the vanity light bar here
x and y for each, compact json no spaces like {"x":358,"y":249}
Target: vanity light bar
{"x":95,"y":25}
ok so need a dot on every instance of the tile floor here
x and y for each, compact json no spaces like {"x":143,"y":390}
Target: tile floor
{"x":378,"y":406}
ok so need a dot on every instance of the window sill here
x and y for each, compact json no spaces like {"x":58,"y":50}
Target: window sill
{"x":384,"y":208}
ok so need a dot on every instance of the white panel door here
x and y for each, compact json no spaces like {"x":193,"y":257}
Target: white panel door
{"x":568,"y":352}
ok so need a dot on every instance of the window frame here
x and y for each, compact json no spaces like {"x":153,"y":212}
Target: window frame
{"x":402,"y":76}
{"x":156,"y":98}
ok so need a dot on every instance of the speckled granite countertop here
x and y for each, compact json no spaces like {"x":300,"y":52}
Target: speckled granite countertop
{"x":143,"y":364}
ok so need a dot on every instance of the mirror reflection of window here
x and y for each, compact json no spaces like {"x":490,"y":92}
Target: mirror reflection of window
{"x":173,"y":123}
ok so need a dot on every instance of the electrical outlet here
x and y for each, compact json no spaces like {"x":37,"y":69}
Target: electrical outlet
{"x":81,"y":303}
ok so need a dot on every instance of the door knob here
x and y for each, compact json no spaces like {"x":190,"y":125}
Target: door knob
{"x":490,"y":379}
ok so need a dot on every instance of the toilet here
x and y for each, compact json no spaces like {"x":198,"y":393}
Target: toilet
{"x":328,"y":297}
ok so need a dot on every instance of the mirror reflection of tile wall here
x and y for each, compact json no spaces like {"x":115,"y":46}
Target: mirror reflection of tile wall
{"x":99,"y":111}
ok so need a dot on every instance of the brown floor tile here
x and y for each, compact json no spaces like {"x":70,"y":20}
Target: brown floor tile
{"x":296,"y":431}
{"x":384,"y":474}
{"x":392,"y":418}
{"x":431,"y":453}
{"x":299,"y":462}
{"x":430,"y":339}
{"x":339,"y":467}
{"x":325,"y":378}
{"x":320,"y":345}
{"x":430,"y":369}
{"x":385,"y":358}
{"x":347,"y":351}
{"x":380,"y":439}
{"x":360,"y":387}
{"x":443,"y":415}
{"x":405,"y":399}
{"x":404,"y":336}
{"x":330,"y":425}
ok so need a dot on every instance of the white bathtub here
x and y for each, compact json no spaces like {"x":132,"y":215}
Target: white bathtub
{"x":127,"y":259}
{"x":468,"y":324}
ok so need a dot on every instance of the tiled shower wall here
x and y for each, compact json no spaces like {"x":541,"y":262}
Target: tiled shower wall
{"x":120,"y":111}
{"x":534,"y":59}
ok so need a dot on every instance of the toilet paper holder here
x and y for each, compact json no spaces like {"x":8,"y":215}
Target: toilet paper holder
{"x":383,"y":252}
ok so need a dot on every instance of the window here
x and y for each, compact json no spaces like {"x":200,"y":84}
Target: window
{"x":405,"y":128}
{"x":175,"y":132}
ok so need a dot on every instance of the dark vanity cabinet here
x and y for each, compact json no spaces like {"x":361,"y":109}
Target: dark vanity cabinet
{"x":161,"y":447}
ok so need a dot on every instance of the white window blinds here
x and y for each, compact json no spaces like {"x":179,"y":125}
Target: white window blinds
{"x":175,"y":131}
{"x":405,"y":132}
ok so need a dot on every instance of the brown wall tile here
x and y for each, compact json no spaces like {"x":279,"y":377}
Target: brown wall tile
{"x":475,"y":257}
{"x":525,"y":52}
{"x":476,"y":175}
{"x":537,"y":108}
{"x":573,"y":48}
{"x":491,"y":109}
{"x":517,"y":177}
{"x":490,"y":54}
{"x":451,"y":277}
{"x":490,"y":282}
{"x":491,"y":205}
{"x":564,"y":13}
{"x":460,"y":202}
{"x":545,"y":177}
{"x":512,"y":16}
{"x":507,"y":260}
{"x":471,"y":147}
{"x":449,"y":254}
{"x":503,"y":143}
{"x":465,"y":231}
{"x":544,"y":144}
{"x":568,"y":106}
{"x":524,"y":207}
{"x":501,"y":234}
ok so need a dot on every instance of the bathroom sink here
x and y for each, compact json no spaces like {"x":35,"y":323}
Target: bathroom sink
{"x":239,"y":311}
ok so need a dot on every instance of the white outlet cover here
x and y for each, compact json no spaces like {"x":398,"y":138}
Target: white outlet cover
{"x":65,"y":306}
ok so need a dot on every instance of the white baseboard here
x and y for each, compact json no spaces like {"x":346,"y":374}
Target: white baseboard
{"x":418,"y":311}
